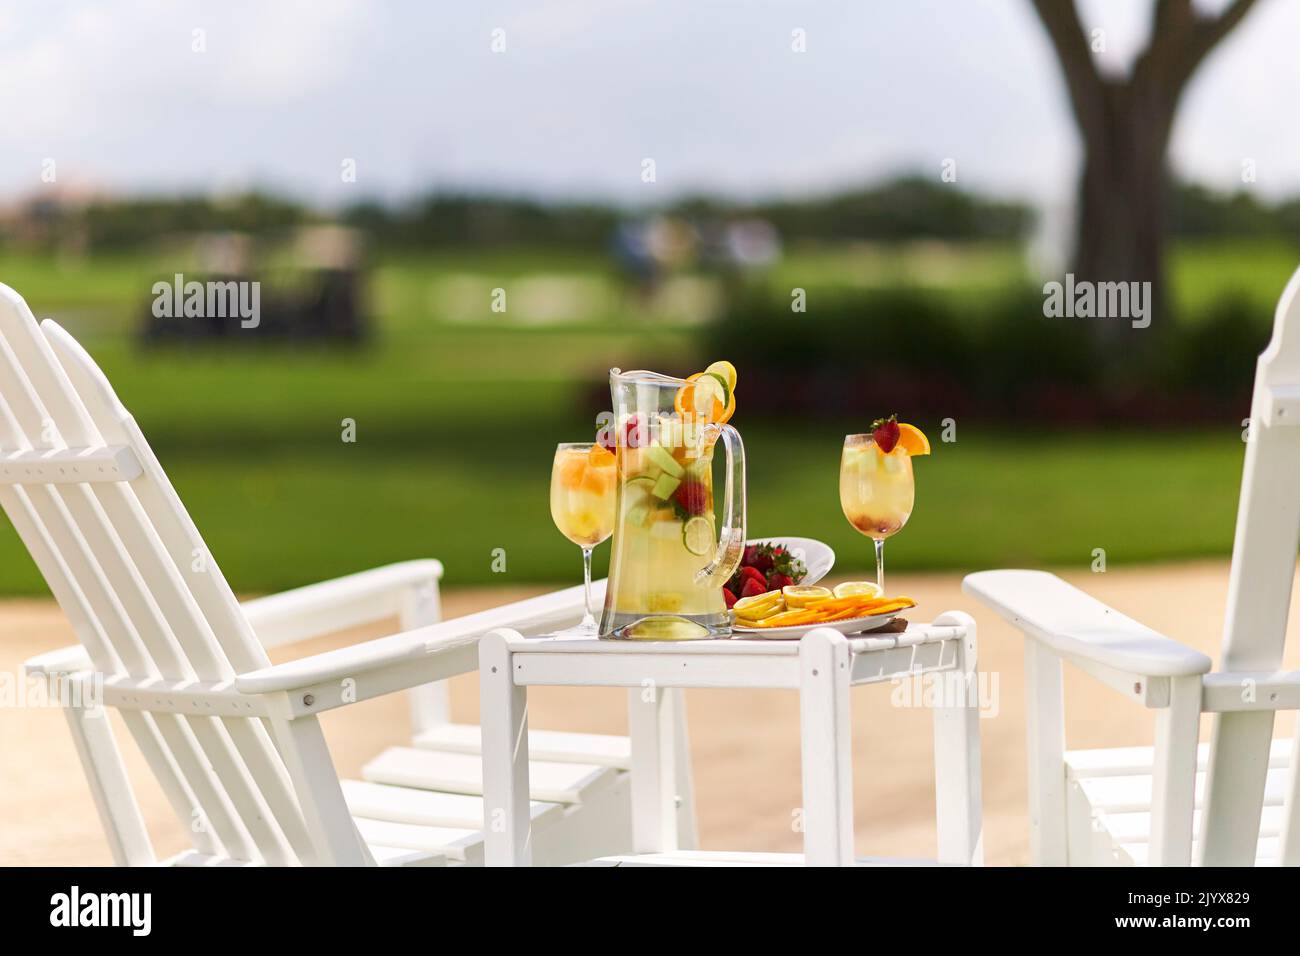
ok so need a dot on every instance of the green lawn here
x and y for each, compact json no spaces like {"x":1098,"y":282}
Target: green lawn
{"x":456,"y":424}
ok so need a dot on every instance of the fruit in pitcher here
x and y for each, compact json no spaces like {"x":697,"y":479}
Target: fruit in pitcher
{"x":692,"y":496}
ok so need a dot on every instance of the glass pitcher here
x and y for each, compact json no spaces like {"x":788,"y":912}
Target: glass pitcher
{"x":669,"y":560}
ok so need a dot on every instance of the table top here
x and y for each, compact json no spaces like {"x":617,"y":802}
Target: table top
{"x":916,"y":633}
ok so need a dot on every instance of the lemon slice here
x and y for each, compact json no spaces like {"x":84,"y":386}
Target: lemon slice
{"x":798,"y":595}
{"x":664,"y":629}
{"x":856,"y":588}
{"x":726,"y":371}
{"x":758,"y":606}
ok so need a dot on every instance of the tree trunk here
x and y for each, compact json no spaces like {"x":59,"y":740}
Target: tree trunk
{"x":1122,"y":197}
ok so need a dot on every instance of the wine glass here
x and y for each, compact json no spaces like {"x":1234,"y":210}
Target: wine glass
{"x":876,"y":492}
{"x":583,"y":480}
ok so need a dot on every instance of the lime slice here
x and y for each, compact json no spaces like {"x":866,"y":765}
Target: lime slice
{"x":664,"y":629}
{"x":697,"y":535}
{"x":722,"y":384}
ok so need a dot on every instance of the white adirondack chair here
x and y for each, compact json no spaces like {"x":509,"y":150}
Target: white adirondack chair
{"x":233,"y":741}
{"x":1235,"y":801}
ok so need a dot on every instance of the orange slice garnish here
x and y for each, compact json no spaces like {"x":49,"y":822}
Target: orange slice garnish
{"x":684,"y":402}
{"x":912,"y":440}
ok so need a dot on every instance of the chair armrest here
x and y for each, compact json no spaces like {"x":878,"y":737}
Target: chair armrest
{"x":456,"y":639}
{"x":538,"y":614}
{"x":338,"y":604}
{"x":1078,"y":626}
{"x":397,"y":650}
{"x":65,"y":660}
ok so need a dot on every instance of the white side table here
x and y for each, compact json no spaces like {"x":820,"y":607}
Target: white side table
{"x":822,"y":666}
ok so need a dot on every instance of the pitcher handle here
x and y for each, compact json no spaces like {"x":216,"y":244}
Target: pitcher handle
{"x":731,"y":538}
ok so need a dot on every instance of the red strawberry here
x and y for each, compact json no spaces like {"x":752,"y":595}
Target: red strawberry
{"x":692,"y":497}
{"x":884,"y":431}
{"x":728,"y":597}
{"x":755,"y":575}
{"x":750,"y":555}
{"x":779,"y":580}
{"x":754,"y":586}
{"x":633,"y":433}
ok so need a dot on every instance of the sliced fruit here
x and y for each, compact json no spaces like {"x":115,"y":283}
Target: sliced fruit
{"x":855,"y":588}
{"x":600,"y":457}
{"x":663,"y":459}
{"x":664,"y":629}
{"x":726,"y":371}
{"x":753,"y":587}
{"x":572,"y":468}
{"x":598,"y":481}
{"x":697,"y":536}
{"x":692,"y":496}
{"x":912,"y":440}
{"x":801,"y":595}
{"x":755,"y":606}
{"x":713,"y":402}
{"x":664,"y":486}
{"x":639,"y":515}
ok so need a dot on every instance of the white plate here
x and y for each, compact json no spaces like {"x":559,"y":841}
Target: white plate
{"x":854,"y":625}
{"x":817,"y":555}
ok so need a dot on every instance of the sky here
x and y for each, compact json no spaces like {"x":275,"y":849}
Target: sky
{"x":282,"y":94}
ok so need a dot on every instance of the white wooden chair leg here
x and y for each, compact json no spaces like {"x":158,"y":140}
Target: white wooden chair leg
{"x":110,"y":787}
{"x":825,"y":730}
{"x":430,"y":703}
{"x":653,"y":735}
{"x":957,"y":799}
{"x":1230,"y":815}
{"x":316,"y":782}
{"x":1173,"y":781}
{"x":1289,"y":849}
{"x":688,"y":837}
{"x":503,"y":706}
{"x":1045,"y":723}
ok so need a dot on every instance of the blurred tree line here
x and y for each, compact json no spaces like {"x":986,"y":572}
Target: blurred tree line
{"x":905,"y":208}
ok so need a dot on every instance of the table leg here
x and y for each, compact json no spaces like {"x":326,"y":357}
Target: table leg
{"x":503,"y":708}
{"x":827,"y":748}
{"x":651,"y":719}
{"x":957,"y":801}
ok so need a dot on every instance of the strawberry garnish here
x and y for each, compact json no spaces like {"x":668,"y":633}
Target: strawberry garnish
{"x":753,"y":586}
{"x":692,"y":497}
{"x":884,"y":432}
{"x":752,"y":574}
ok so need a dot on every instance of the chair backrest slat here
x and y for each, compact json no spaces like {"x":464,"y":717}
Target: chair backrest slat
{"x":121,"y":555}
{"x":1259,"y":596}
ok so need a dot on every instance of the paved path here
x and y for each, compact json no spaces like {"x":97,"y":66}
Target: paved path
{"x":745,"y":744}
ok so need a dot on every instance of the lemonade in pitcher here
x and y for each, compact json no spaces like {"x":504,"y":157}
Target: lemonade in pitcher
{"x":670,"y":556}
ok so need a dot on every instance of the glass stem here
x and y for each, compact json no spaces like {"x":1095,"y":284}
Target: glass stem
{"x":880,"y":564}
{"x":588,"y":620}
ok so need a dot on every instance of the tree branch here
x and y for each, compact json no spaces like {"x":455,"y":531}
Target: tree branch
{"x":1180,"y":40}
{"x":1082,"y":81}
